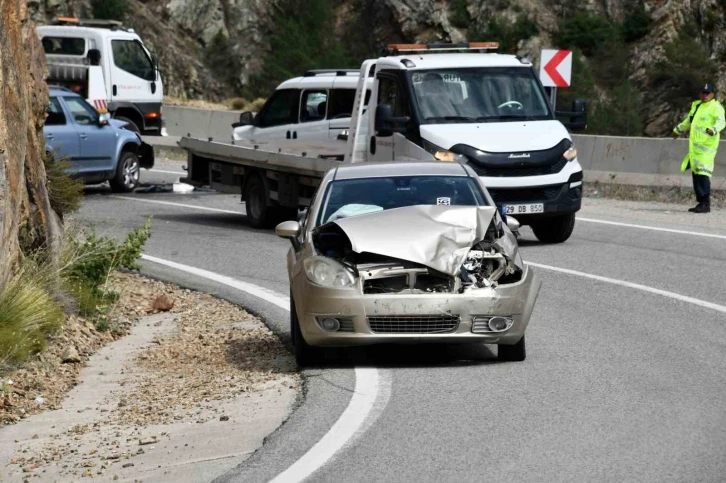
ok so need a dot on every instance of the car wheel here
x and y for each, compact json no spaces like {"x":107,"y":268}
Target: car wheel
{"x":305,"y":354}
{"x":127,"y":173}
{"x":556,"y":229}
{"x":131,"y":124}
{"x":512,"y":353}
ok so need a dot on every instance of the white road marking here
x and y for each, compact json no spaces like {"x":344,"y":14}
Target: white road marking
{"x":154,"y":170}
{"x":654,"y":228}
{"x":182,"y":205}
{"x":645,"y":288}
{"x":370,"y":396}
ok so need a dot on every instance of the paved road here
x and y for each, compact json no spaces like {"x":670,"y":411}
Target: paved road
{"x":619,"y":385}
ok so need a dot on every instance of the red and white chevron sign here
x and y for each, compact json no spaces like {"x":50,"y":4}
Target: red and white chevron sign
{"x":556,"y":68}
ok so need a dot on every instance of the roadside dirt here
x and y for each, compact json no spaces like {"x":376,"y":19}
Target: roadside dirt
{"x":204,"y":362}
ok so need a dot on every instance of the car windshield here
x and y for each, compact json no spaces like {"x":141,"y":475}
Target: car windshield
{"x":352,"y":197}
{"x":491,"y":94}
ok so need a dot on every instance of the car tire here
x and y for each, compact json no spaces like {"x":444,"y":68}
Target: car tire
{"x":305,"y":354}
{"x":126,"y":178}
{"x":131,"y":124}
{"x":512,"y":353}
{"x":556,"y":229}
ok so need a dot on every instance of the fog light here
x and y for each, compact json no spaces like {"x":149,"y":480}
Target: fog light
{"x":330,"y":324}
{"x":499,"y":324}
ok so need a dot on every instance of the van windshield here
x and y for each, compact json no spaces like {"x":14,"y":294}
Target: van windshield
{"x":480,"y":94}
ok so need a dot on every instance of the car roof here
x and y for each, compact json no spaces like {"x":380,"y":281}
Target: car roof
{"x":399,"y":168}
{"x":60,"y":92}
{"x":450,"y":61}
{"x":323,"y":81}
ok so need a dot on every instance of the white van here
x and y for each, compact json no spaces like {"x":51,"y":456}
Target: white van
{"x":315,"y":107}
{"x":130,"y":79}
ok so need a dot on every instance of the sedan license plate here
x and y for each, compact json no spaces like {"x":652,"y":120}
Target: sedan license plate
{"x":523,"y":209}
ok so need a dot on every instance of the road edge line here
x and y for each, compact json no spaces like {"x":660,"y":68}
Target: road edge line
{"x":170,"y":203}
{"x":653,"y":228}
{"x":370,"y":394}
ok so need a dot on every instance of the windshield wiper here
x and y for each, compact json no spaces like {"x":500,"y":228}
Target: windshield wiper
{"x":451,"y":118}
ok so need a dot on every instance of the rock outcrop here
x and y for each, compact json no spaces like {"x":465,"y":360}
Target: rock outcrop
{"x":26,"y":217}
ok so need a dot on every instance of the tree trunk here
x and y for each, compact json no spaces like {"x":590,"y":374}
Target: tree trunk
{"x":26,"y":218}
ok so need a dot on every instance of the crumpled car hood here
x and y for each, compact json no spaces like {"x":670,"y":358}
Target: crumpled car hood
{"x":438,"y":237}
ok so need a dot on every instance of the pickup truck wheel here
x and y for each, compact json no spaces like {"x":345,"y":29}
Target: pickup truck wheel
{"x":127,"y":173}
{"x":256,"y":203}
{"x":556,"y":229}
{"x":512,"y":353}
{"x":305,"y":354}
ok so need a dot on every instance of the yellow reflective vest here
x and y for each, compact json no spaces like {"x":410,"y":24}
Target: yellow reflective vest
{"x":702,"y":147}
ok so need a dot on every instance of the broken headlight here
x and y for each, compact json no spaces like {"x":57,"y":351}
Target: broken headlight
{"x":327,"y":272}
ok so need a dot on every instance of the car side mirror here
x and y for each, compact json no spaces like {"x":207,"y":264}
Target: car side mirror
{"x":245,"y":119}
{"x":386,"y":124}
{"x":577,"y":117}
{"x":103,"y":119}
{"x":288,"y":229}
{"x":513,"y":224}
{"x":94,"y":56}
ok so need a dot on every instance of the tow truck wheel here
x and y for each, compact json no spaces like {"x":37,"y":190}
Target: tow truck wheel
{"x":305,"y":354}
{"x":512,"y":353}
{"x":131,"y":126}
{"x":256,"y":203}
{"x":556,"y":229}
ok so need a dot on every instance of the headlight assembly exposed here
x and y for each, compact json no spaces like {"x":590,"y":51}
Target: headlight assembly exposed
{"x":327,"y":273}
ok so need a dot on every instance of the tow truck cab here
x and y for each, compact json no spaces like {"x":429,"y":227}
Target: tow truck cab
{"x":109,"y":66}
{"x":483,"y":109}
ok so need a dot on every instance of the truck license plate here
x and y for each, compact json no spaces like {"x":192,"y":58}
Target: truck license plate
{"x":523,"y":209}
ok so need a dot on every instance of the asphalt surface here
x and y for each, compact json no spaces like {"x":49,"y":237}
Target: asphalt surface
{"x":619,"y":384}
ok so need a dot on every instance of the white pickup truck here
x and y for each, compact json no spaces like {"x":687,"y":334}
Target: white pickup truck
{"x":438,"y":102}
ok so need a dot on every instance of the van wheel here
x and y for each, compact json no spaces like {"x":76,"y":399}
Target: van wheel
{"x":305,"y":354}
{"x":556,"y":229}
{"x":126,"y":178}
{"x":258,"y":213}
{"x":131,"y":124}
{"x":512,"y":353}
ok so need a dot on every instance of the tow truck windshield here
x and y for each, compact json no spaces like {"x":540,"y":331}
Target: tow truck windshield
{"x":473,"y":95}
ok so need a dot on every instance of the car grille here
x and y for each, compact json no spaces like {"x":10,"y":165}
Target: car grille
{"x":503,"y":195}
{"x":346,"y":325}
{"x":414,"y":324}
{"x":501,"y":172}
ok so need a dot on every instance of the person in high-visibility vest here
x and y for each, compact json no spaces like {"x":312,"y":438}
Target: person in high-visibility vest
{"x":704,"y":124}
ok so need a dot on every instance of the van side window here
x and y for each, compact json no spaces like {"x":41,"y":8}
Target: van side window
{"x":54,"y":115}
{"x":389,"y":92}
{"x":129,"y":55}
{"x":341,"y":102}
{"x":313,"y":106}
{"x":281,"y":108}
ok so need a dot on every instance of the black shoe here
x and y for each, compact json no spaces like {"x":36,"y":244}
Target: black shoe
{"x":695,"y":208}
{"x":703,"y":208}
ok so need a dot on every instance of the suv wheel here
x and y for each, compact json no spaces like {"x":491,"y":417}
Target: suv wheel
{"x":556,"y":229}
{"x":127,"y":173}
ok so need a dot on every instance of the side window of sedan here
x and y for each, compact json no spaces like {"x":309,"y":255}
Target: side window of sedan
{"x":82,"y":112}
{"x":55,"y":115}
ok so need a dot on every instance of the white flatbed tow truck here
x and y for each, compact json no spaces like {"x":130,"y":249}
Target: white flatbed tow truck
{"x":428,"y":104}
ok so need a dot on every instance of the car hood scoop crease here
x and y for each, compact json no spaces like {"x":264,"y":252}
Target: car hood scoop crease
{"x":435,"y":236}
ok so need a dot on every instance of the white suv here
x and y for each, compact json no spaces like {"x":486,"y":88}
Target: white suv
{"x":316,"y":107}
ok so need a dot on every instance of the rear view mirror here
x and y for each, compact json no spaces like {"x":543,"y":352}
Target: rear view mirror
{"x":103,"y":119}
{"x":245,"y":119}
{"x":513,"y":224}
{"x":288,"y":229}
{"x":94,"y":56}
{"x":577,"y":117}
{"x":386,"y":123}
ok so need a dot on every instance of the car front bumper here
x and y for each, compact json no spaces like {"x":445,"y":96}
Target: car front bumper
{"x":314,"y":303}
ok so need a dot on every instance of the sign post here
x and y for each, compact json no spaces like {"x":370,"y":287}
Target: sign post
{"x":555,"y":71}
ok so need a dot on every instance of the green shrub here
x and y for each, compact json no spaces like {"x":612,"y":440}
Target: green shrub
{"x":459,"y":15}
{"x":238,"y":104}
{"x":28,"y":314}
{"x":64,"y":191}
{"x":498,"y":29}
{"x":585,"y":31}
{"x":222,"y":60}
{"x":637,"y":24}
{"x":109,"y":9}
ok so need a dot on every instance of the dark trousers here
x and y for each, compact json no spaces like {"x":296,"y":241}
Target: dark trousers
{"x":702,"y":187}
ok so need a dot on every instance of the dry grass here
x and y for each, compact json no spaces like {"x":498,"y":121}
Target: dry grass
{"x":661,"y":194}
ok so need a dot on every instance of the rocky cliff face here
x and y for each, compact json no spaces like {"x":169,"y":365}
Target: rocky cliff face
{"x":25,"y":213}
{"x":211,"y":48}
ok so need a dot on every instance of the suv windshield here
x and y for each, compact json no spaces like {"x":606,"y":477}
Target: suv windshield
{"x":480,"y":94}
{"x":352,"y":197}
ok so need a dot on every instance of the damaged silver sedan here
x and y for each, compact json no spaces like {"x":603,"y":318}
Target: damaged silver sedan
{"x":406,"y":252}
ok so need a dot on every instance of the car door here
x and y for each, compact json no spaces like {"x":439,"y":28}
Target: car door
{"x":278,"y":118}
{"x":132,"y":72}
{"x":389,"y":92}
{"x":61,"y":136}
{"x":98,"y":143}
{"x":313,"y":125}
